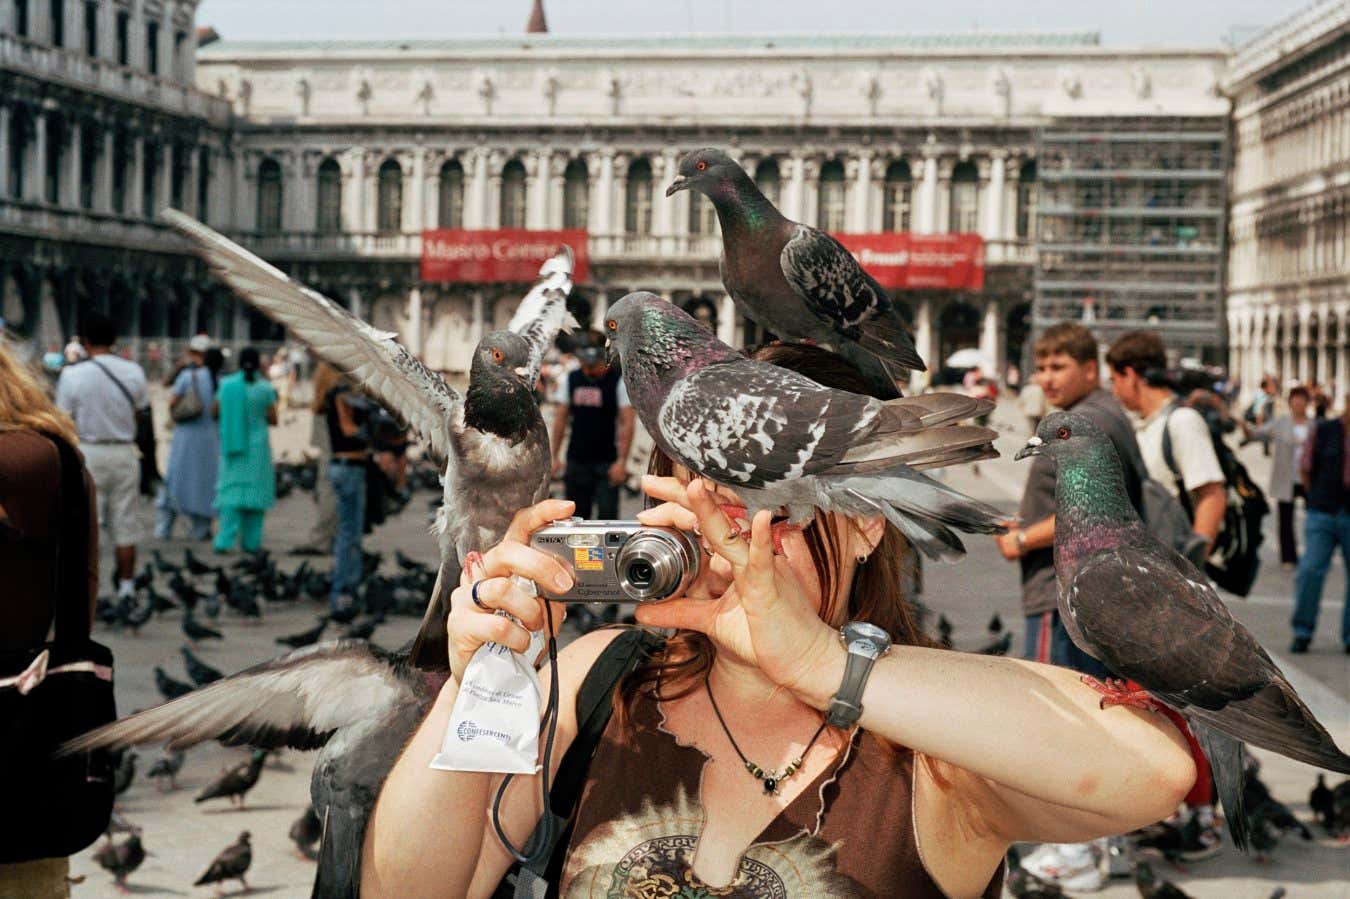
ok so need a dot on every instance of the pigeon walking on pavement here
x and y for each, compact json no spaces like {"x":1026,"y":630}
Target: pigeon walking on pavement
{"x":168,"y":687}
{"x":780,"y":439}
{"x":195,"y":631}
{"x":231,"y":864}
{"x":200,"y":672}
{"x":1151,"y":617}
{"x":234,"y":783}
{"x":120,"y":859}
{"x":305,"y":832}
{"x":794,"y":280}
{"x":166,"y":767}
{"x":305,"y":638}
{"x":492,"y":439}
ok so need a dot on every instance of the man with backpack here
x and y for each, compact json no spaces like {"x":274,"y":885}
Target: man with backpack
{"x":1322,"y":466}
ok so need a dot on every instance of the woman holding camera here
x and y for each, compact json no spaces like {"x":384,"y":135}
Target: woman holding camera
{"x":755,"y":754}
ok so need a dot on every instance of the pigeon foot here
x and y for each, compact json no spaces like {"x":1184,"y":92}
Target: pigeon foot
{"x":472,"y":559}
{"x":1116,"y":692}
{"x":740,"y":526}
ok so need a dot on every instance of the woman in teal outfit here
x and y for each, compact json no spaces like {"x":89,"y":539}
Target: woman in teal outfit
{"x":246,"y":487}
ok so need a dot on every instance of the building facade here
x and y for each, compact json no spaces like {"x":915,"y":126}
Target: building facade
{"x":1288,"y":271}
{"x":348,"y":150}
{"x":101,"y":126}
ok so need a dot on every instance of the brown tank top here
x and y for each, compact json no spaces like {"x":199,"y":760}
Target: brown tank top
{"x":849,"y":834}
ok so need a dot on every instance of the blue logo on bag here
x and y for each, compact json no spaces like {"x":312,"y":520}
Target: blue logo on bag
{"x":468,"y":731}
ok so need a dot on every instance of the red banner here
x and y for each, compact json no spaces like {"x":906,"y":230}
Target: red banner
{"x":505,"y":255}
{"x":907,"y":261}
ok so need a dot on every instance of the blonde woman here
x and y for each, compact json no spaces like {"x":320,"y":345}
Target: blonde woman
{"x":48,"y":543}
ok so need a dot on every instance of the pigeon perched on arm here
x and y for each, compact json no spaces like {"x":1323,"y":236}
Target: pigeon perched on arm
{"x":355,"y":703}
{"x":1150,"y":616}
{"x":794,"y":280}
{"x":492,"y":439}
{"x":780,"y":439}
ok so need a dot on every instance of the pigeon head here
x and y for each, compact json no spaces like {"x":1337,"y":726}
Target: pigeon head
{"x":501,"y":352}
{"x":500,"y":399}
{"x":703,"y":170}
{"x":657,"y":343}
{"x":244,"y":837}
{"x":1060,"y":433}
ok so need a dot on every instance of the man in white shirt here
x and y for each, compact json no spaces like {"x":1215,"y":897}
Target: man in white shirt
{"x":102,"y":395}
{"x":1138,"y":379}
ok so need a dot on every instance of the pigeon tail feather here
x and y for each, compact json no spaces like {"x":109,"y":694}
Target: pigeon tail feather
{"x":1228,"y":768}
{"x":880,"y":373}
{"x":887,"y":337}
{"x":431,"y":647}
{"x":1276,"y":719}
{"x":338,"y":874}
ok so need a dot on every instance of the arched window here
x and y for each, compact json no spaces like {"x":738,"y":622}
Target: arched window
{"x":702,"y":214}
{"x":965,"y":206}
{"x":833,"y":206}
{"x":329,"y":200}
{"x":389,"y":197}
{"x":513,"y":195}
{"x":897,"y":194}
{"x":637,"y":201}
{"x":576,"y":195}
{"x":450,"y":203}
{"x":269,"y":196}
{"x":1026,"y":200}
{"x":769,"y":180}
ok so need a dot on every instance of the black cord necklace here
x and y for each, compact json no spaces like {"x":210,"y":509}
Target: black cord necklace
{"x":771,"y":779}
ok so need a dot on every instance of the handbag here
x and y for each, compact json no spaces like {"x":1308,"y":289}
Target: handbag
{"x":188,"y":407}
{"x":145,"y":435}
{"x":52,"y":693}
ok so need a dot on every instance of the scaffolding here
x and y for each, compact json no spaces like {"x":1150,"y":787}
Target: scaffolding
{"x":1131,"y":228}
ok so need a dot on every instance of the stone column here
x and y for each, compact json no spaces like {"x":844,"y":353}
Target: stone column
{"x":135,"y":37}
{"x":37,"y":172}
{"x":1304,"y":344}
{"x":602,"y":201}
{"x":369,"y":190}
{"x":991,"y":336}
{"x":103,"y":171}
{"x":74,"y":26}
{"x":600,"y":310}
{"x":925,"y":212}
{"x":795,"y":195}
{"x":107,"y":30}
{"x":538,"y":188}
{"x":942,"y":205}
{"x":4,"y":150}
{"x":475,"y":202}
{"x":414,"y":195}
{"x":164,"y":193}
{"x":353,"y":163}
{"x":245,"y":191}
{"x":355,"y":306}
{"x":993,"y":207}
{"x":478,"y":325}
{"x":811,"y":191}
{"x":1323,"y":348}
{"x":70,"y":184}
{"x":727,"y":320}
{"x":923,"y":340}
{"x":414,"y":338}
{"x":1342,"y":374}
{"x":557,"y":168}
{"x":663,"y":211}
{"x":859,"y":173}
{"x":194,"y":174}
{"x":492,"y":189}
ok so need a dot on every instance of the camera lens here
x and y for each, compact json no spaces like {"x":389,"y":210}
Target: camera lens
{"x":640,"y":574}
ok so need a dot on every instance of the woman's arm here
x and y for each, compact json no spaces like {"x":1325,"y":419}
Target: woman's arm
{"x":346,"y":420}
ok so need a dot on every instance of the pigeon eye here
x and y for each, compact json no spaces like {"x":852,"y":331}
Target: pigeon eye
{"x":1063,"y":433}
{"x":497,"y":355}
{"x":612,"y":325}
{"x":701,"y":165}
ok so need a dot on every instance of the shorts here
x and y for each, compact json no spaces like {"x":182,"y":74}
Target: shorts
{"x":117,"y":475}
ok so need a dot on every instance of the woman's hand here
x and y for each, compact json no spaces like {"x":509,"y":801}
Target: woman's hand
{"x":749,"y":601}
{"x":470,"y":626}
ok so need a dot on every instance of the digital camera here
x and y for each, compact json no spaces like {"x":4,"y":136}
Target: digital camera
{"x":620,"y":561}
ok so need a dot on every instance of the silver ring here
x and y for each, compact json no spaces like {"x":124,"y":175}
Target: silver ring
{"x":473,"y":594}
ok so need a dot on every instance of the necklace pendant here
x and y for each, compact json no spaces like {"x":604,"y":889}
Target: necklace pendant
{"x":770,"y":786}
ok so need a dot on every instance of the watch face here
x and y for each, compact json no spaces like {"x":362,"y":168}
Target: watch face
{"x":865,"y":638}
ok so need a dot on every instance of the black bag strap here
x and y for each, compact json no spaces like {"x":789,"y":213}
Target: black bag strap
{"x":1171,"y":460}
{"x":120,"y":386}
{"x":595,"y":706}
{"x":71,"y":581}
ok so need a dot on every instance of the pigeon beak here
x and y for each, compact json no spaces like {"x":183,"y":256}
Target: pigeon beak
{"x":1033,"y":448}
{"x":680,"y":183}
{"x":522,"y":371}
{"x":611,"y":353}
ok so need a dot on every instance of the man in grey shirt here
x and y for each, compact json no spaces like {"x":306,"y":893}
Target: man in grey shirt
{"x":1068,"y":371}
{"x":102,"y":394}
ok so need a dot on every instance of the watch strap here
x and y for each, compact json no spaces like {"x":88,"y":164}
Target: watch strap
{"x":846,"y":706}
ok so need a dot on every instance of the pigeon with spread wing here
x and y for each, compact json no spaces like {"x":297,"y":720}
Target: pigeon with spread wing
{"x":492,"y":439}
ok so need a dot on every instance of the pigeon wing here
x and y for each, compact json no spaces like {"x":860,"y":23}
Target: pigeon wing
{"x":379,"y":364}
{"x":543,"y":311}
{"x":296,"y":700}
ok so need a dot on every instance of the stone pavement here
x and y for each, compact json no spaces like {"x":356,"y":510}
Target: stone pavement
{"x":184,"y":837}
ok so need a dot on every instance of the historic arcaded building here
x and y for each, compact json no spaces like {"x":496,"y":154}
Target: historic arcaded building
{"x":1288,"y":270}
{"x":101,"y":126}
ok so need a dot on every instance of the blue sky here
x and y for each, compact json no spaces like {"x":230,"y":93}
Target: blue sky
{"x":1123,"y":22}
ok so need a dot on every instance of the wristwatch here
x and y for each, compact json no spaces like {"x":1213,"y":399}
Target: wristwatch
{"x":865,"y":644}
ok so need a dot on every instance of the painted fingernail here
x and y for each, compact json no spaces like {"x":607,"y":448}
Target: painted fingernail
{"x":562,"y":581}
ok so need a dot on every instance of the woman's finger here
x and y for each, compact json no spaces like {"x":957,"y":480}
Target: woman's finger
{"x":758,"y":574}
{"x":684,"y":613}
{"x":531,"y":519}
{"x":507,"y":558}
{"x":669,"y":514}
{"x":666,"y":489}
{"x":501,"y":593}
{"x":719,"y":534}
{"x":476,"y":630}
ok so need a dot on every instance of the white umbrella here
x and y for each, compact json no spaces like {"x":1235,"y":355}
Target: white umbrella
{"x":970,"y":357}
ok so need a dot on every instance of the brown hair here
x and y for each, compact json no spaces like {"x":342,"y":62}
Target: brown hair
{"x":1140,"y":350}
{"x":1069,"y":338}
{"x":24,"y":403}
{"x":880,"y":592}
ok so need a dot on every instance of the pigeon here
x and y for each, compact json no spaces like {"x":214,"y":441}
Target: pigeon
{"x":240,"y":598}
{"x":305,"y":832}
{"x":363,"y":630}
{"x":944,"y":628}
{"x":796,"y":281}
{"x":231,"y":864}
{"x":134,"y":616}
{"x":168,"y":687}
{"x":1025,"y":885}
{"x":124,"y":773}
{"x":996,"y":624}
{"x":166,"y":767}
{"x":186,"y":592}
{"x":158,"y":601}
{"x":200,"y":672}
{"x":1340,"y":810}
{"x":194,"y":631}
{"x":492,"y":439}
{"x":1321,"y":801}
{"x":235,"y":782}
{"x":196,"y":566}
{"x":1172,"y":841}
{"x":120,"y":859}
{"x":356,"y":703}
{"x":999,"y":646}
{"x":1151,"y":617}
{"x":1257,"y":799}
{"x":118,"y":823}
{"x":780,"y":439}
{"x":408,"y":564}
{"x":305,"y":638}
{"x":1150,"y":887}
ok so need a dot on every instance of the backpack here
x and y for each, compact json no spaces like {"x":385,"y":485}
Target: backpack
{"x":595,"y":705}
{"x":1234,"y":561}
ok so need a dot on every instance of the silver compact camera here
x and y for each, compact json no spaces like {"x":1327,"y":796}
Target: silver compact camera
{"x":620,"y":561}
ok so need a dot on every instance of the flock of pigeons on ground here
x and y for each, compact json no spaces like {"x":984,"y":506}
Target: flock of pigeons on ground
{"x":776,"y":438}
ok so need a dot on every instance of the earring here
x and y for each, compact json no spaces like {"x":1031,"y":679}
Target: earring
{"x":863,"y":557}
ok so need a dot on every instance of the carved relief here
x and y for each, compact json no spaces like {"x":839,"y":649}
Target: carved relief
{"x":245,"y":96}
{"x":426,"y":91}
{"x":871,"y":91}
{"x":305,"y":92}
{"x":934,"y":88}
{"x":485,"y":83}
{"x":1070,"y":81}
{"x":613,"y":90}
{"x":1001,"y":86}
{"x":1141,"y":85}
{"x":802,"y":84}
{"x":549,"y":85}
